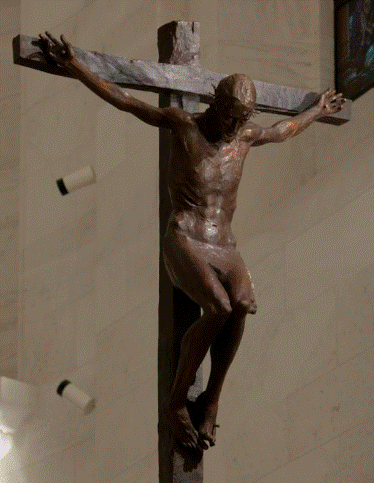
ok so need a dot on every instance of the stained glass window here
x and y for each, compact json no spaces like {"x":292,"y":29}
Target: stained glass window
{"x":354,"y":47}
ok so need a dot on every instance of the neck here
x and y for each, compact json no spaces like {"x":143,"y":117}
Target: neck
{"x":209,"y":126}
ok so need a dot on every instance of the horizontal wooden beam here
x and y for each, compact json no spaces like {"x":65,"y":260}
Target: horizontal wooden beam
{"x":157,"y":77}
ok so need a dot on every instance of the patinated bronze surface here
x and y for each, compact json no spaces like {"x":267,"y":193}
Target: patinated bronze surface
{"x":199,"y":247}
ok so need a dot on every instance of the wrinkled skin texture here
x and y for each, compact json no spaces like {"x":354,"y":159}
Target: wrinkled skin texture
{"x":199,"y":247}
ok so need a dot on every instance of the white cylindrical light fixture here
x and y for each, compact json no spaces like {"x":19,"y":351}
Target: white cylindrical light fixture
{"x":78,"y":179}
{"x":71,"y":392}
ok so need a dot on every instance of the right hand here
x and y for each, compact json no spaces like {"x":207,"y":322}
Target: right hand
{"x":330,"y":102}
{"x":61,"y":52}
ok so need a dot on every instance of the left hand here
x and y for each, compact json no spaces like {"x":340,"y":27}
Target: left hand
{"x":59,"y":51}
{"x":330,"y":102}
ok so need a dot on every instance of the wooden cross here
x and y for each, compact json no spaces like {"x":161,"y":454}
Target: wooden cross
{"x":180,"y":81}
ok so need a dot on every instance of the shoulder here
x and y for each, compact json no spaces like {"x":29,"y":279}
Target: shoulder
{"x":257,"y":135}
{"x":179,"y":116}
{"x":252,"y":132}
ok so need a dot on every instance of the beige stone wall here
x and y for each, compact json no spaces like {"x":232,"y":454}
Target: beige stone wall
{"x":10,"y":112}
{"x":296,"y":405}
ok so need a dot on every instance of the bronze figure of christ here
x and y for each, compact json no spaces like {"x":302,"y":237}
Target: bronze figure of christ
{"x":199,"y":247}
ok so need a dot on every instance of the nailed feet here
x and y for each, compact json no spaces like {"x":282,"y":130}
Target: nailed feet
{"x":195,"y":423}
{"x":182,"y":427}
{"x":204,"y":415}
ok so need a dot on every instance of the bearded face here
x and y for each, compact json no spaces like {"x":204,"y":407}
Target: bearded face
{"x":231,"y":115}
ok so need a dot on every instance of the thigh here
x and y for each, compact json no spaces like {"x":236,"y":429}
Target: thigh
{"x":187,"y":265}
{"x":238,"y":284}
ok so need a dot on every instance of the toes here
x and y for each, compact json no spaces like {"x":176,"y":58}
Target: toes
{"x":194,"y":442}
{"x":253,"y":309}
{"x":208,"y":437}
{"x":215,"y":426}
{"x":202,"y":444}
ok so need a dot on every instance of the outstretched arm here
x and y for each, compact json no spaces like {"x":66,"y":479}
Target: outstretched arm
{"x":329,"y":102}
{"x":62,"y":52}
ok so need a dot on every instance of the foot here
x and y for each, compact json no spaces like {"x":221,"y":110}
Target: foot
{"x":204,"y":417}
{"x":182,"y":427}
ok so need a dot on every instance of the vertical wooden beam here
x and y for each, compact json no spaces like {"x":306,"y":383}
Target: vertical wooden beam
{"x":178,"y":43}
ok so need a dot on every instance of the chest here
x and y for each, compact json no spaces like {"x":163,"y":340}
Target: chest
{"x":223,"y":164}
{"x":214,"y":165}
{"x":219,"y":162}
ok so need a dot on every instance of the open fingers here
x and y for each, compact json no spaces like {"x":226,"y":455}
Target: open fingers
{"x":68,"y":47}
{"x":338,"y":102}
{"x":44,"y":39}
{"x":64,"y":41}
{"x":338,"y":99}
{"x":47,"y":47}
{"x":52,"y":39}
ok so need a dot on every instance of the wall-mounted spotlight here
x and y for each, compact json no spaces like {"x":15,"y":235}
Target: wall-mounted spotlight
{"x":76,"y":180}
{"x":71,"y":392}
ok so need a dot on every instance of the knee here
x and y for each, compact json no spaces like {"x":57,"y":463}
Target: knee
{"x":221,"y":308}
{"x":246,"y":306}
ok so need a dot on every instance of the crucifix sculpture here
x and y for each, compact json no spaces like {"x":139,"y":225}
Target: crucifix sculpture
{"x":206,"y":152}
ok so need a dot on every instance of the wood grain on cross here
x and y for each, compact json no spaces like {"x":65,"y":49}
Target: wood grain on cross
{"x":180,"y":81}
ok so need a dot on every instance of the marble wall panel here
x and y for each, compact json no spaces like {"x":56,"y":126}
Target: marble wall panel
{"x":318,"y":466}
{"x":325,"y":50}
{"x":347,"y":244}
{"x":36,"y":18}
{"x":303,"y":155}
{"x":145,"y":470}
{"x":47,"y":289}
{"x":47,"y":345}
{"x":46,"y":212}
{"x":126,"y":431}
{"x":330,"y":405}
{"x":67,"y":122}
{"x":353,"y":315}
{"x":315,"y":334}
{"x":58,"y":467}
{"x":85,"y":342}
{"x":126,"y":349}
{"x":9,"y":347}
{"x":356,"y":453}
{"x":127,"y":392}
{"x":10,"y":16}
{"x":85,"y":467}
{"x":9,"y":184}
{"x":263,"y":36}
{"x":10,"y":133}
{"x":9,"y":217}
{"x":111,"y":283}
{"x":10,"y":77}
{"x":255,"y":443}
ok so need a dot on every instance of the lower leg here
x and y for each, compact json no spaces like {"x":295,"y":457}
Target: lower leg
{"x":222,"y":352}
{"x":195,"y":345}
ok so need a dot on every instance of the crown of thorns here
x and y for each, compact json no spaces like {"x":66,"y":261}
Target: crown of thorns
{"x":238,"y":86}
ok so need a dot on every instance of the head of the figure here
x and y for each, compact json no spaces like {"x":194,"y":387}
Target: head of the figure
{"x":234,"y":102}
